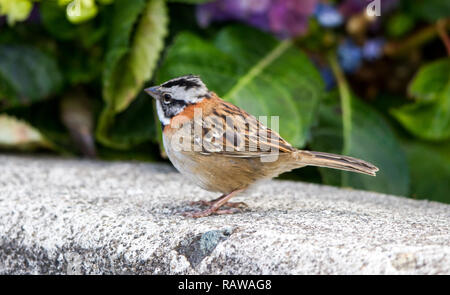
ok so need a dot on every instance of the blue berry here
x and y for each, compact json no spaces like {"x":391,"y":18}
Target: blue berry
{"x":328,"y":16}
{"x":350,"y":56}
{"x":373,"y":49}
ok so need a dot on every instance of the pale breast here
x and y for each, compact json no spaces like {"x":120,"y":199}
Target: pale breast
{"x":219,"y":173}
{"x":189,"y":167}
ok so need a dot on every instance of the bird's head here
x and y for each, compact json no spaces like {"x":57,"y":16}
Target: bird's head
{"x":174,"y":95}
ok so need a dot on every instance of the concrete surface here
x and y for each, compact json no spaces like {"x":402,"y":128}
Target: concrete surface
{"x":71,"y":216}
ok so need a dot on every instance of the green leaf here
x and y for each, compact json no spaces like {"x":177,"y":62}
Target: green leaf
{"x":192,"y":55}
{"x":327,"y":136}
{"x":399,"y":24}
{"x":254,"y":71}
{"x":27,"y":75}
{"x":431,"y":81}
{"x":429,"y":116}
{"x":430,"y":170}
{"x":17,"y":134}
{"x":430,"y":10}
{"x":128,"y":66}
{"x":130,"y":61}
{"x":45,"y":117}
{"x":371,"y":139}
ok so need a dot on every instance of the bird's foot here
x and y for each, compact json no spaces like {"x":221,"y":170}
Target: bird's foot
{"x":238,"y":205}
{"x":211,"y":211}
{"x":215,"y":206}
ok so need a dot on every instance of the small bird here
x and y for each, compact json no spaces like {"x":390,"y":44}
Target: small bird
{"x":222,"y":148}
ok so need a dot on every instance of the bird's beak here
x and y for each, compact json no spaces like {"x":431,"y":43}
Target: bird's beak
{"x":153,"y":91}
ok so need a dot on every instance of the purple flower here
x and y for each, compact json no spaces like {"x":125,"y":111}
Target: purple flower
{"x":255,"y":6}
{"x":373,"y":49}
{"x":290,"y":17}
{"x":260,"y":21}
{"x":222,"y":10}
{"x":282,"y":17}
{"x":328,"y":16}
{"x":350,"y":56}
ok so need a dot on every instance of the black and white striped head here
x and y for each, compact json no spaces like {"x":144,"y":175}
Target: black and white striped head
{"x":174,"y":95}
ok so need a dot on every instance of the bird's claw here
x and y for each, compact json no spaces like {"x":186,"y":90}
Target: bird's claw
{"x":210,"y":211}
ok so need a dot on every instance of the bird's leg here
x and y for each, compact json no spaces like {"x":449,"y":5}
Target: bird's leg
{"x":215,"y":205}
{"x":206,"y":203}
{"x":238,"y":205}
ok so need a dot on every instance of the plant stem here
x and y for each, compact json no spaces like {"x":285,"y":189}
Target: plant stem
{"x":346,"y":106}
{"x":441,"y":29}
{"x":417,"y":39}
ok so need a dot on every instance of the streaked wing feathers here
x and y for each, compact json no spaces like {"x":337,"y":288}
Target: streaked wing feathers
{"x":230,"y":131}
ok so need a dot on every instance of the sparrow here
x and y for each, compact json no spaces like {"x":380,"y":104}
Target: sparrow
{"x":224,"y":149}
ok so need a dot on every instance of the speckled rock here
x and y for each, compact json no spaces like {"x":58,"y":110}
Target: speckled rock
{"x":70,"y":216}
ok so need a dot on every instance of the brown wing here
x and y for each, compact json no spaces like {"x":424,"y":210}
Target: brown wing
{"x":230,"y":131}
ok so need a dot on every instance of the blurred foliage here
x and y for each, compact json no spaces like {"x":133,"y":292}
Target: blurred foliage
{"x":245,"y":66}
{"x":27,"y":75}
{"x":429,"y":116}
{"x":18,"y":134}
{"x":374,"y":87}
{"x":134,"y":43}
{"x":370,"y":138}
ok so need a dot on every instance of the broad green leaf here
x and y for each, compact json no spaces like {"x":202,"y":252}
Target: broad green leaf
{"x":27,"y":75}
{"x":297,"y":91}
{"x":430,"y":170}
{"x":430,"y":10}
{"x":128,"y":66}
{"x":17,"y":134}
{"x":429,"y":116}
{"x":124,"y":18}
{"x":191,"y":55}
{"x":431,"y":81}
{"x":131,"y":58}
{"x":371,"y":139}
{"x":254,"y":71}
{"x":327,"y":135}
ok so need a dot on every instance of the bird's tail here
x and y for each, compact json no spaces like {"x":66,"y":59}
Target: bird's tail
{"x":336,"y":162}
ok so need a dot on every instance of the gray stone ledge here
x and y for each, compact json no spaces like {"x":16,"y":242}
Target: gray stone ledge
{"x":75,"y":216}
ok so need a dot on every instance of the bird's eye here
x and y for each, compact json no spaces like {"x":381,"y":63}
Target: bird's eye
{"x":167,"y":98}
